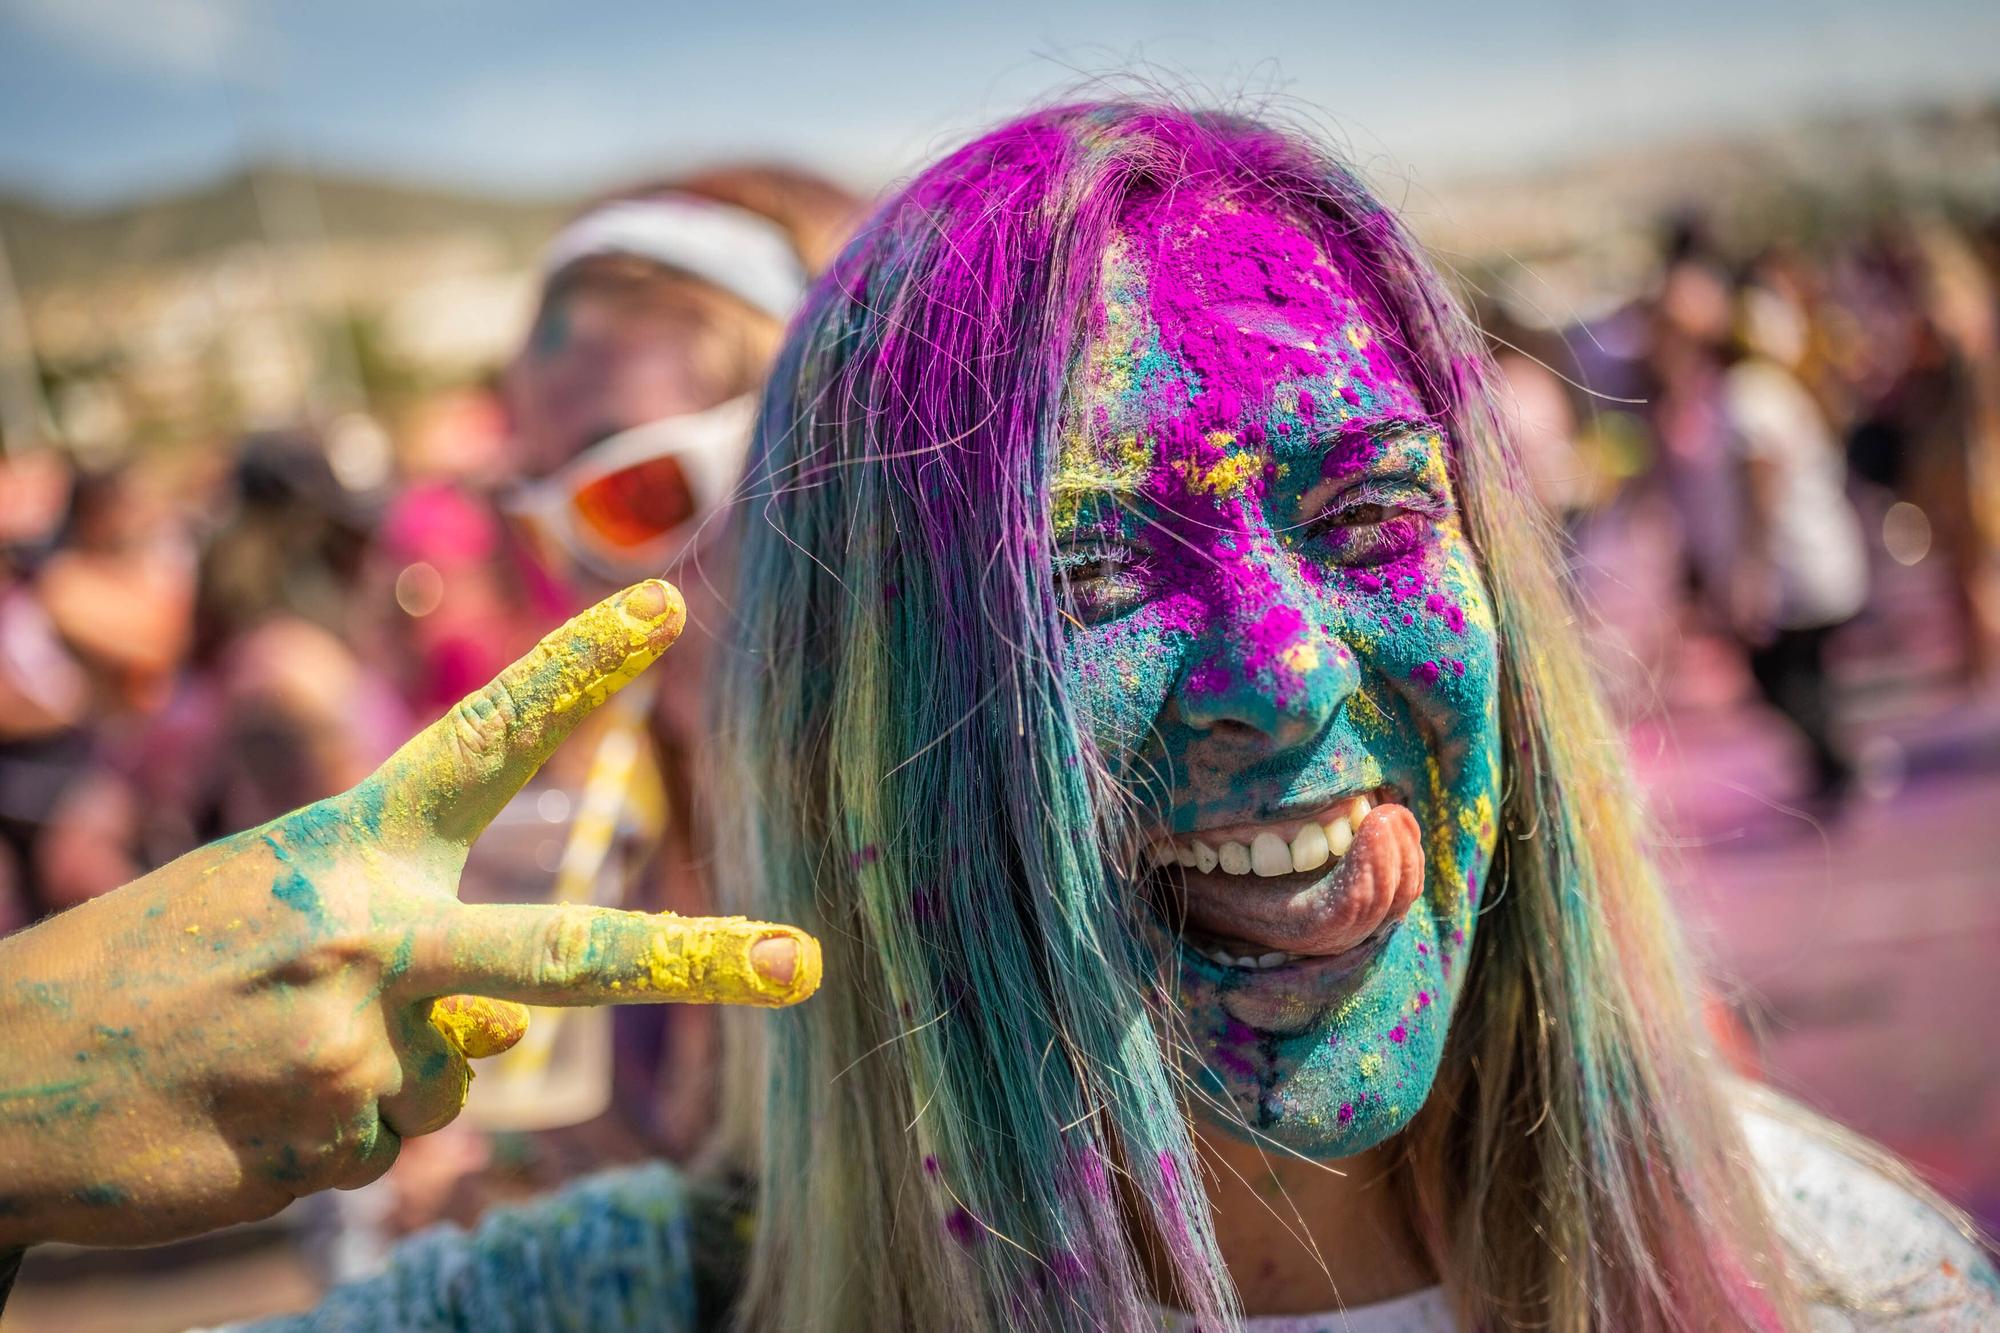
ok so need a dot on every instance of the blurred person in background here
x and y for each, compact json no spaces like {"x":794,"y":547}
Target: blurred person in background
{"x":43,"y":691}
{"x":1535,"y":385}
{"x":1691,"y":323}
{"x":446,"y":591}
{"x":628,"y":412}
{"x":96,"y":592}
{"x":1924,"y":375}
{"x":1955,"y":476}
{"x":1802,"y":568}
{"x":273,"y":710}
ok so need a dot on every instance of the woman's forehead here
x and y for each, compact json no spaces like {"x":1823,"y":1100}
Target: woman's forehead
{"x":1217,"y":318}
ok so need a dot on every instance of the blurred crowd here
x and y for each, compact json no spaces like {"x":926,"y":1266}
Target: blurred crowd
{"x":1794,"y":427}
{"x":193,"y":643}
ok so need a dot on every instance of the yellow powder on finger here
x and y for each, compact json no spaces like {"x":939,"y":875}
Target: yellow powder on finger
{"x":706,"y":960}
{"x":477,"y":1027}
{"x":603,"y":624}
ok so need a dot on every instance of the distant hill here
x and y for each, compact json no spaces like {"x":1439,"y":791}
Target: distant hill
{"x":50,"y":246}
{"x":1914,"y":154}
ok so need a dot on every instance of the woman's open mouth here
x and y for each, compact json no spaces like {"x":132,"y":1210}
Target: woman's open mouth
{"x":1278,"y":896}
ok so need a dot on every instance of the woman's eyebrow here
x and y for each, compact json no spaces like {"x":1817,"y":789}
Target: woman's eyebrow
{"x":1387,"y":428}
{"x":1353,"y":430}
{"x":1347,"y":446}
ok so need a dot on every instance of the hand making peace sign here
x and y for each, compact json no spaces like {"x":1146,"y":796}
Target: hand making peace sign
{"x":272,"y":1014}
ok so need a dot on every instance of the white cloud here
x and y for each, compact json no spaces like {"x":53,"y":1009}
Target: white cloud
{"x":181,"y":39}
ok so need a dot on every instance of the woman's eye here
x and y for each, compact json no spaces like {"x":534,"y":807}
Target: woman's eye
{"x":1367,"y":532}
{"x":1102,"y":567}
{"x":1340,"y":518}
{"x":1101,"y":585}
{"x":1364,"y":515}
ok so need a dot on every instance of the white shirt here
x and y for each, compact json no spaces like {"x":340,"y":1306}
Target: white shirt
{"x":1816,"y":549}
{"x":1869,"y":1254}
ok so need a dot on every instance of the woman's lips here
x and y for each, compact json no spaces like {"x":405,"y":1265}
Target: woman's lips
{"x":1373,"y":885}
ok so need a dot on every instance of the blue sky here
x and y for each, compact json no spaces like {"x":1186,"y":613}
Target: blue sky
{"x":105,"y":98}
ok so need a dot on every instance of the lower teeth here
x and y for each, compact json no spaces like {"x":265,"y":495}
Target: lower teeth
{"x":1257,"y":963}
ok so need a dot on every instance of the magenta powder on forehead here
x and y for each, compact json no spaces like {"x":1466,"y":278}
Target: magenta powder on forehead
{"x":1245,"y":322}
{"x":1238,"y":294}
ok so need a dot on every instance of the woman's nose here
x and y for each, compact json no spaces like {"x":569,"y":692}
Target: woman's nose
{"x":1268,"y":673}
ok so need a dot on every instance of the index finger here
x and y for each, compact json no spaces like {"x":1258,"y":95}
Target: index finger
{"x":454,"y":775}
{"x":570,"y":955}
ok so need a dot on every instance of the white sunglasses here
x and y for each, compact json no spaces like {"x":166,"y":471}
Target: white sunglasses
{"x":620,"y":508}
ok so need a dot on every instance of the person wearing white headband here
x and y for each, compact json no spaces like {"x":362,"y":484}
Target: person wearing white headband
{"x":629,"y":407}
{"x":630,"y":402}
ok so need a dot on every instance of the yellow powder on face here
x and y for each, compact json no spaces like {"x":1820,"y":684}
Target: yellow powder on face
{"x":1371,"y":1064}
{"x":1088,"y":467}
{"x":1229,"y":477}
{"x":1445,"y":880}
{"x":1477,"y":819}
{"x":1463,"y":579}
{"x":1134,"y":458}
{"x":1366,"y":714}
{"x":1301,"y":657}
{"x":477,"y":1027}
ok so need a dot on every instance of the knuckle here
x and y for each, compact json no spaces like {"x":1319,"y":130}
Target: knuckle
{"x":340,"y":955}
{"x":340,"y":1067}
{"x":447,"y":1101}
{"x":364,"y":1156}
{"x":482,"y":722}
{"x":564,"y":950}
{"x":313,"y":1164}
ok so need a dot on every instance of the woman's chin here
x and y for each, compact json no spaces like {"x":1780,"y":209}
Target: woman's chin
{"x":1322,"y":1114}
{"x":1316,"y":1132}
{"x":1327,"y":1062}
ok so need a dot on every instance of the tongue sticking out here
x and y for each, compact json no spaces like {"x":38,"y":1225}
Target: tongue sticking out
{"x":1376,"y":882}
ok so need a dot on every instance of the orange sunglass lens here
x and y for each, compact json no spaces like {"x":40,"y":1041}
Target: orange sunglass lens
{"x":636,"y":505}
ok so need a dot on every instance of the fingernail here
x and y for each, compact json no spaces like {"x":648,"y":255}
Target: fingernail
{"x":656,"y":605}
{"x":647,"y":600}
{"x":776,"y":958}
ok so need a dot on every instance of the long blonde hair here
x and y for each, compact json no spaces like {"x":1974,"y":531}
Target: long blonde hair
{"x":977,"y":1123}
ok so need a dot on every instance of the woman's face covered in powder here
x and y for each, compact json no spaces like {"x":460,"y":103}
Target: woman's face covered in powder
{"x":1281,"y":641}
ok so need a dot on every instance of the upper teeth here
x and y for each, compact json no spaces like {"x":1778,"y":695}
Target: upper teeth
{"x":1268,"y":853}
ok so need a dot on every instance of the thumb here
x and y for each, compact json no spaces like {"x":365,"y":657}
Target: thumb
{"x":454,"y":776}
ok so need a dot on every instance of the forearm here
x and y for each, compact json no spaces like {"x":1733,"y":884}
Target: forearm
{"x":36,"y":1099}
{"x":51,"y":1101}
{"x":70,"y":1052}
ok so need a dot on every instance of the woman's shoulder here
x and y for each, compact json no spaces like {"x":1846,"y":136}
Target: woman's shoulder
{"x":641,"y":1247}
{"x":1873,"y":1246}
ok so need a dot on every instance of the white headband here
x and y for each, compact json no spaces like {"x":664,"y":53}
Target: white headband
{"x":732,"y":248}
